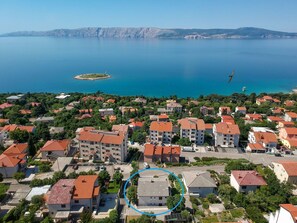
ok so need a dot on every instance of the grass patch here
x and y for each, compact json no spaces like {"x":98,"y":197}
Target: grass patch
{"x":237,"y":213}
{"x":210,"y":219}
{"x":113,"y":187}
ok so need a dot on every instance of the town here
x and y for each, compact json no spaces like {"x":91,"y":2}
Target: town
{"x":66,"y":158}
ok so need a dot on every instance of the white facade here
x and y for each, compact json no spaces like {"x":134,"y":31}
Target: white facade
{"x":281,"y":216}
{"x":54,"y":208}
{"x":106,"y":111}
{"x":242,"y":188}
{"x":194,"y":135}
{"x":282,"y":174}
{"x":225,"y":140}
{"x":161,"y":137}
{"x":152,"y":201}
{"x":53,"y":154}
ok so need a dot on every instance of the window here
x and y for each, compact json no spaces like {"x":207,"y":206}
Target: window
{"x":243,"y":187}
{"x":63,"y":206}
{"x":76,"y":201}
{"x":160,"y":198}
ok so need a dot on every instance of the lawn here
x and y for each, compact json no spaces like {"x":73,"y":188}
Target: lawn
{"x":113,"y":187}
{"x":237,"y":213}
{"x":210,"y":219}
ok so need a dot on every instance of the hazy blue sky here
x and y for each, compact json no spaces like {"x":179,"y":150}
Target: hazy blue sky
{"x":18,"y":15}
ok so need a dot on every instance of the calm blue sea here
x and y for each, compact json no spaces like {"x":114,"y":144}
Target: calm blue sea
{"x":147,"y":67}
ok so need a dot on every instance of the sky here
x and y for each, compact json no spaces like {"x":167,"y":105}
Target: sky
{"x":39,"y":15}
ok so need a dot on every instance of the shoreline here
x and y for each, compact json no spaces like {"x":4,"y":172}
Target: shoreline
{"x":82,"y":77}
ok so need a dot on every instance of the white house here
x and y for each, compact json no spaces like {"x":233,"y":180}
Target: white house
{"x":286,"y":214}
{"x":290,"y":117}
{"x":153,"y":191}
{"x":53,"y":149}
{"x":241,"y":110}
{"x":193,"y":129}
{"x":161,"y":132}
{"x":199,"y":183}
{"x":226,"y":135}
{"x":286,"y":171}
{"x":246,"y":180}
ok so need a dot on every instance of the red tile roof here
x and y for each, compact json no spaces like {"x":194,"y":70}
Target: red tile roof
{"x":84,"y":187}
{"x":228,"y":119}
{"x":161,"y":126}
{"x":192,"y":123}
{"x":227,"y":129}
{"x":61,"y":192}
{"x":256,"y":146}
{"x":11,"y":160}
{"x":266,"y":137}
{"x":290,"y":167}
{"x":291,"y":209}
{"x":254,"y":116}
{"x":248,"y":178}
{"x":56,"y":145}
{"x":5,"y":105}
{"x":275,"y":118}
{"x":90,"y":136}
{"x":13,"y":127}
{"x":208,"y":126}
{"x":150,"y":150}
{"x":2,"y":120}
{"x":291,"y":131}
{"x":292,"y":114}
{"x":16,"y":148}
{"x":241,"y":108}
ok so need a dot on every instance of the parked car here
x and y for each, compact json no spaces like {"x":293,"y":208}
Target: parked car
{"x":278,"y":154}
{"x":102,"y":168}
{"x":96,"y":168}
{"x":75,"y":167}
{"x":146,"y":165}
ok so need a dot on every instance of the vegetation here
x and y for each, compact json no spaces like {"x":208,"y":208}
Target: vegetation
{"x":3,"y":189}
{"x":132,"y":194}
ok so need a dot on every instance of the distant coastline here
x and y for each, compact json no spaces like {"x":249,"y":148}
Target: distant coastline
{"x":92,"y":76}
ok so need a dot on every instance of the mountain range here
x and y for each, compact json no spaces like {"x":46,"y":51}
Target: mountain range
{"x":159,"y":33}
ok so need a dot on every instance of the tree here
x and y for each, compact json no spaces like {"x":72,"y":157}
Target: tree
{"x":117,"y":177}
{"x":19,"y":176}
{"x":37,"y":200}
{"x":103,"y":177}
{"x":184,"y":142}
{"x":212,"y":198}
{"x":173,"y":200}
{"x":58,"y":176}
{"x":31,"y":146}
{"x":134,"y":180}
{"x":185,"y":215}
{"x":20,"y":136}
{"x":86,"y":216}
{"x":113,"y":216}
{"x":138,"y":136}
{"x":43,"y":168}
{"x":171,"y":177}
{"x":132,"y":194}
{"x":47,"y":220}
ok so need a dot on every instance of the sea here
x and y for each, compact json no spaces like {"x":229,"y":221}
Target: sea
{"x":186,"y":68}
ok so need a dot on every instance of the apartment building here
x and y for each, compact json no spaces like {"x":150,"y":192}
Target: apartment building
{"x":226,"y":135}
{"x":161,"y":132}
{"x":193,"y":129}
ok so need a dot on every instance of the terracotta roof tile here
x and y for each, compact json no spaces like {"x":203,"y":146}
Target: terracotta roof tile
{"x":61,"y":192}
{"x":290,"y":167}
{"x":227,"y":129}
{"x":161,"y":126}
{"x":266,"y":137}
{"x":56,"y":145}
{"x":248,"y":178}
{"x":11,"y":160}
{"x":16,"y":148}
{"x":192,"y":123}
{"x":291,"y":209}
{"x":84,"y":187}
{"x":292,"y":114}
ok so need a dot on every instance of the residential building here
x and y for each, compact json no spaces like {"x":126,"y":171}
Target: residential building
{"x":226,"y":135}
{"x":284,"y":124}
{"x":140,"y":100}
{"x":4,"y":133}
{"x":275,"y":119}
{"x":266,"y":138}
{"x":228,"y":119}
{"x":14,"y":98}
{"x":199,"y":183}
{"x":162,"y":118}
{"x":5,"y":105}
{"x":135,"y":125}
{"x":289,"y":103}
{"x":45,"y":119}
{"x":103,"y":145}
{"x":106,"y":111}
{"x":224,"y":111}
{"x":209,"y":128}
{"x":13,"y":159}
{"x":253,"y":117}
{"x":246,"y":180}
{"x":288,"y":133}
{"x":153,"y":191}
{"x":86,"y":192}
{"x":255,"y":148}
{"x":53,"y":149}
{"x":193,"y":129}
{"x":161,"y":132}
{"x":70,"y":197}
{"x":290,"y":117}
{"x":62,"y":96}
{"x":207,"y":110}
{"x":174,"y":107}
{"x":286,"y":214}
{"x":241,"y":110}
{"x":286,"y":171}
{"x":267,"y":99}
{"x":56,"y":130}
{"x":154,"y":153}
{"x":127,"y":109}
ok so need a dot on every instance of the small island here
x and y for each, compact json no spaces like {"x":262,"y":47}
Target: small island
{"x":92,"y":76}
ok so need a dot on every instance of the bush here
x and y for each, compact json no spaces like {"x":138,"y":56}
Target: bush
{"x":205,"y":205}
